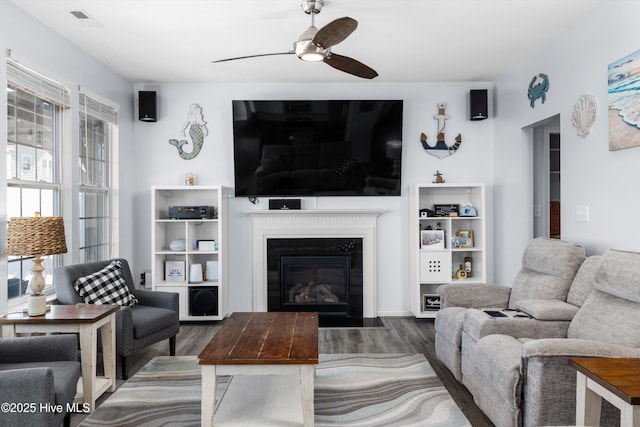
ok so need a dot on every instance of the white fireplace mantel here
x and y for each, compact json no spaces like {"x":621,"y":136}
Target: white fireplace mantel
{"x":315,"y":223}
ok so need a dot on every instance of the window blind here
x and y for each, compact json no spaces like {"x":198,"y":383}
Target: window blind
{"x":38,"y":84}
{"x":97,"y":109}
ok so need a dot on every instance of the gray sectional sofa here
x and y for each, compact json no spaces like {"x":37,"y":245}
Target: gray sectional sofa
{"x":517,"y":368}
{"x":548,"y":269}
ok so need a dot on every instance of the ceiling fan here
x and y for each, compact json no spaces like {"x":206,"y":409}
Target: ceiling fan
{"x":315,"y":44}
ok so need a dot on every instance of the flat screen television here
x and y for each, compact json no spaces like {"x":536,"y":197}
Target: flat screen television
{"x":317,"y":148}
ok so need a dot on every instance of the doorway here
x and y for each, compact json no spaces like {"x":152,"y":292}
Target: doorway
{"x":546,"y":178}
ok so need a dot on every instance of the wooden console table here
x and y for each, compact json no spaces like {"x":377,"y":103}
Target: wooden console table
{"x":616,"y":380}
{"x":274,"y":343}
{"x":86,"y":320}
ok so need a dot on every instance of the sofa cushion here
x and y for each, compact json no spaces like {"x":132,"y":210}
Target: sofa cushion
{"x":148,"y":320}
{"x":541,"y":309}
{"x":548,"y":269}
{"x":618,"y":275}
{"x":106,"y":286}
{"x":584,"y":282}
{"x":607,"y":319}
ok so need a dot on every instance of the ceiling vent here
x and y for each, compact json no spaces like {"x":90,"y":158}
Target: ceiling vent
{"x":79,"y":14}
{"x":84,"y":18}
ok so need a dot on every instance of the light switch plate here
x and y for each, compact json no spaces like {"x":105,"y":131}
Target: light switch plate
{"x":582,"y":213}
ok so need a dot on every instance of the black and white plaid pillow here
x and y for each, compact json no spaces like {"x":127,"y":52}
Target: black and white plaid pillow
{"x":106,"y":286}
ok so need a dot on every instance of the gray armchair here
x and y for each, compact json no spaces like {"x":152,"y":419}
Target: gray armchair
{"x":153,"y":319}
{"x":548,"y":269}
{"x":38,"y":370}
{"x":519,"y":381}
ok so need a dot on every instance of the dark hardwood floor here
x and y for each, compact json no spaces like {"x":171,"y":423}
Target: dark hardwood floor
{"x":399,"y":335}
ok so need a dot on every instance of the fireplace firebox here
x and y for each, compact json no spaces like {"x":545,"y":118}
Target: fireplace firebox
{"x":315,"y":282}
{"x":315,"y":274}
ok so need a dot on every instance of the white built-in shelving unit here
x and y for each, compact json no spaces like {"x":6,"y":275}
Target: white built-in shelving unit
{"x":434,"y":262}
{"x":206,"y":300}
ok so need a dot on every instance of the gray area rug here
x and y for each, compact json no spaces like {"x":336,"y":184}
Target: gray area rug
{"x":363,"y":390}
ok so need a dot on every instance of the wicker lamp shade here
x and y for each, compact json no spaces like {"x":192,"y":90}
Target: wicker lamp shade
{"x":39,"y":235}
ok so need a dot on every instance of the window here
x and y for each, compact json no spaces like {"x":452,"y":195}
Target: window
{"x":35,"y":108}
{"x":98,"y":121}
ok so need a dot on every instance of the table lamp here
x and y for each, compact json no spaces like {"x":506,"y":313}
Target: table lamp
{"x":36,"y":236}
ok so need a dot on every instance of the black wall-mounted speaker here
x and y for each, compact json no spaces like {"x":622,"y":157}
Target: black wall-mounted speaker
{"x":147,"y":111}
{"x":478,"y":109}
{"x":203,"y":300}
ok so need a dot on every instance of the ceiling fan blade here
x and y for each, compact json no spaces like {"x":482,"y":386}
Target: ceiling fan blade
{"x":291,"y":52}
{"x":334,"y":32}
{"x":351,"y":66}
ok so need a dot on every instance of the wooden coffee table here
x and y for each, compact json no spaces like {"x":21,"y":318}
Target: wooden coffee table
{"x":616,"y":380}
{"x":275,"y":343}
{"x":85,"y":320}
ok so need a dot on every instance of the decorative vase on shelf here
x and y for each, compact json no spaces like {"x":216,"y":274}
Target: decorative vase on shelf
{"x":195,"y":273}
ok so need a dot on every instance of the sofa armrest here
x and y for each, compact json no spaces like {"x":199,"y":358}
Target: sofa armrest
{"x":564,"y":347}
{"x":31,"y":387}
{"x":547,"y":309}
{"x":168,"y":300}
{"x":474,"y":296}
{"x":39,"y":349}
{"x":478,"y":324}
{"x":27,"y":385}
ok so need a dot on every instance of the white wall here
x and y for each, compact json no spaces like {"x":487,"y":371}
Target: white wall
{"x":158,"y":163}
{"x":592,"y":176}
{"x":497,"y":151}
{"x":30,"y":41}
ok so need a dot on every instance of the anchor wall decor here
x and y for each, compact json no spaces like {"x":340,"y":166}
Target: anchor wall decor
{"x":197,"y":131}
{"x":441,"y":149}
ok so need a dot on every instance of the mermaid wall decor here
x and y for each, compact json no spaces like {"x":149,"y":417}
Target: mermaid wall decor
{"x":197,"y":131}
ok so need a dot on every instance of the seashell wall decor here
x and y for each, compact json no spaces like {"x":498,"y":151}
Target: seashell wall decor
{"x":585,"y":114}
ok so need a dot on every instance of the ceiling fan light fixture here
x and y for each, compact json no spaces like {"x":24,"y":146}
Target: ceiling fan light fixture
{"x":308,"y":51}
{"x":312,"y":56}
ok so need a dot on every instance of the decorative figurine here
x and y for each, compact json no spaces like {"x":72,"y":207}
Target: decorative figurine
{"x":441,"y":149}
{"x":585,"y":114}
{"x":439,"y":179}
{"x":197,"y":131}
{"x":539,"y":89}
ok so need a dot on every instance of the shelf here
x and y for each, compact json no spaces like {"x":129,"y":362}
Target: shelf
{"x":193,"y":221}
{"x":430,"y":268}
{"x":164,"y":230}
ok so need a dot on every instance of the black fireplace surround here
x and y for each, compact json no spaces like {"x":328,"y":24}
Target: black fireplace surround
{"x":316,"y":274}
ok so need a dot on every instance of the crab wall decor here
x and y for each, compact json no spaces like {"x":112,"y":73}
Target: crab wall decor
{"x":538,"y":89}
{"x":441,"y":149}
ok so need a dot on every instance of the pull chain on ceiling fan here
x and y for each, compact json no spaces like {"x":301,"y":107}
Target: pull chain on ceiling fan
{"x":315,"y":44}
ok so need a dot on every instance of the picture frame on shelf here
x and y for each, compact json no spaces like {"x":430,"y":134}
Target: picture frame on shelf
{"x":464,"y":238}
{"x":431,"y":302}
{"x":174,"y":271}
{"x":432,"y":240}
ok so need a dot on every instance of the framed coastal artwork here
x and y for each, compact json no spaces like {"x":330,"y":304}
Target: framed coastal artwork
{"x":624,"y":102}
